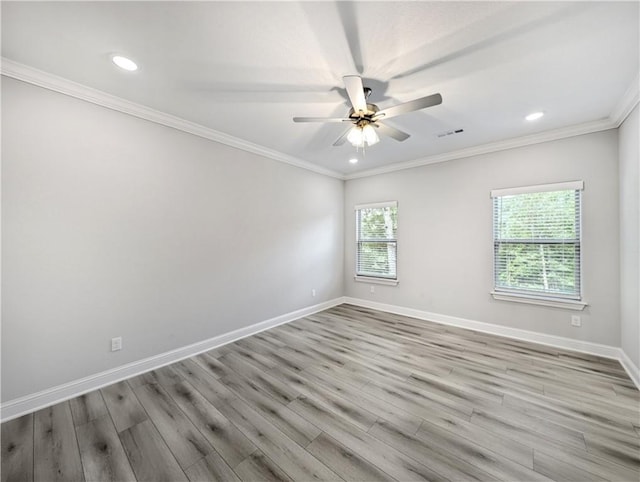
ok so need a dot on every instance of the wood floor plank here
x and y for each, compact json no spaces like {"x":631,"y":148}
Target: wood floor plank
{"x":464,"y":392}
{"x":87,"y":407}
{"x":103,"y":457}
{"x":340,"y":374}
{"x":182,"y":437}
{"x":56,"y":454}
{"x":503,"y":381}
{"x":625,"y":451}
{"x":253,"y":350}
{"x":352,"y":412}
{"x":561,"y":471}
{"x":211,"y":468}
{"x":524,"y":431}
{"x":260,"y":468}
{"x":293,"y":459}
{"x":123,"y":406}
{"x":415,"y":400}
{"x":595,"y":464}
{"x":164,"y":376}
{"x":386,"y":458}
{"x":293,"y":360}
{"x":415,"y":363}
{"x":220,"y":351}
{"x":209,"y":387}
{"x":548,"y":430}
{"x":466,"y":431}
{"x":265,"y":337}
{"x":150,"y":457}
{"x":445,"y":463}
{"x":17,"y":450}
{"x":292,"y":424}
{"x":395,"y":415}
{"x":566,"y":414}
{"x":305,"y":348}
{"x":627,"y":392}
{"x":188,"y":369}
{"x":271,"y":385}
{"x":347,"y":393}
{"x":377,"y":371}
{"x":331,"y":394}
{"x":225,"y":438}
{"x":494,"y":463}
{"x":212,"y":365}
{"x":346,"y":463}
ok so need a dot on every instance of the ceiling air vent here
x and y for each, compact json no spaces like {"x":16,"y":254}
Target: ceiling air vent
{"x":450,"y":133}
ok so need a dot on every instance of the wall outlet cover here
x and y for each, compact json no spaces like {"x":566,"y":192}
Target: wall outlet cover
{"x":116,"y":343}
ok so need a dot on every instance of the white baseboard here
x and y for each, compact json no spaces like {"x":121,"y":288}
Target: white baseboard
{"x":23,"y":405}
{"x":632,"y":370}
{"x":605,"y":351}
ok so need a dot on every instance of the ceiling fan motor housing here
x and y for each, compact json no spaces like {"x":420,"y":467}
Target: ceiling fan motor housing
{"x":370,"y":112}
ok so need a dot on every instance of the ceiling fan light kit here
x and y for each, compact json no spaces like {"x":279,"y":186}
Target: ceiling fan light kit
{"x":366,"y":117}
{"x":361,"y":135}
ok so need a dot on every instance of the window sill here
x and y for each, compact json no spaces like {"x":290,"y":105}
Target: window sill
{"x":538,"y":300}
{"x":376,"y":281}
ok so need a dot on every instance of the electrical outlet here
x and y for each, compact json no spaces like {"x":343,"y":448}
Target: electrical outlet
{"x":116,"y":343}
{"x":313,"y":292}
{"x":575,"y":320}
{"x":372,"y":289}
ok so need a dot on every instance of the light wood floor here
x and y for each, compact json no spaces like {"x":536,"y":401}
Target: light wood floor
{"x":352,"y":394}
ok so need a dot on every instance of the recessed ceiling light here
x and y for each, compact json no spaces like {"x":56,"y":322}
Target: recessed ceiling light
{"x":353,"y":160}
{"x":124,"y":63}
{"x":534,"y":116}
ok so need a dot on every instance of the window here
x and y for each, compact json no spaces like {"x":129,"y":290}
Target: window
{"x":376,"y":250}
{"x":536,"y":241}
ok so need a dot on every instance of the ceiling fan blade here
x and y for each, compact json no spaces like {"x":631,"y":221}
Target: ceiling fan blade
{"x":410,"y":106}
{"x":392,"y":132}
{"x":321,"y":119}
{"x":342,"y":139}
{"x":355,"y":90}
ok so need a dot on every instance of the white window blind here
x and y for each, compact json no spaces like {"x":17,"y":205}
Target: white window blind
{"x":376,"y":242}
{"x":536,"y":240}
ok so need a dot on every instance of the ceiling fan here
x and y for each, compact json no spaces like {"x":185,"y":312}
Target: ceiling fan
{"x":366,"y":117}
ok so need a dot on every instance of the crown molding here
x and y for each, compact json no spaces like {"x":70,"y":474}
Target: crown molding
{"x":24,"y":73}
{"x":64,"y":86}
{"x":628,"y":101}
{"x":624,"y":107}
{"x":551,"y":135}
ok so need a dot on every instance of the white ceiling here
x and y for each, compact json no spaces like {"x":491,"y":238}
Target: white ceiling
{"x":246,"y":68}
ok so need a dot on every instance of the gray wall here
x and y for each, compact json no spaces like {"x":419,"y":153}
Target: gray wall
{"x":445,"y":254}
{"x":629,"y":233}
{"x":115,"y":226}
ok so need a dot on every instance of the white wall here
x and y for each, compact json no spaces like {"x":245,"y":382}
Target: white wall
{"x":629,"y":149}
{"x":115,"y":226}
{"x":445,"y":251}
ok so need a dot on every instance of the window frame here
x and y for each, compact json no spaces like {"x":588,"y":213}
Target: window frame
{"x":371,"y":278}
{"x":573,"y":302}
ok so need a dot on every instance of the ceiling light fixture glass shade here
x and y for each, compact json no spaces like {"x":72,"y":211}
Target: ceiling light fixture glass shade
{"x":359,"y":136}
